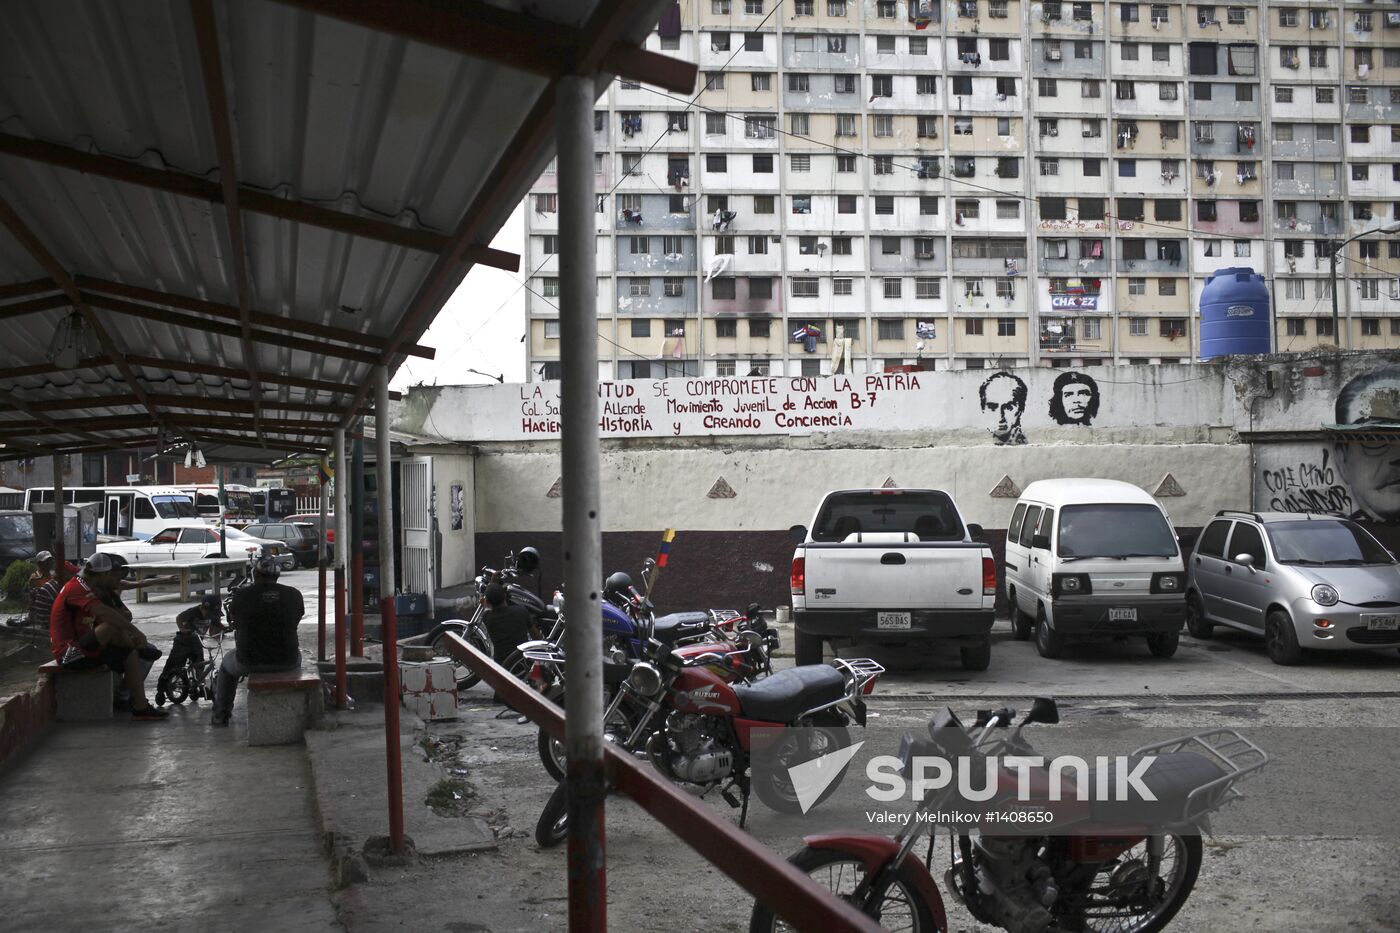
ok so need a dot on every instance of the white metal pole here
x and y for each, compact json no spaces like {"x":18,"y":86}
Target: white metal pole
{"x":583,"y":544}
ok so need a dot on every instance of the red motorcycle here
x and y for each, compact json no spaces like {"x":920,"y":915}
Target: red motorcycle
{"x":698,"y":728}
{"x":1124,"y":876}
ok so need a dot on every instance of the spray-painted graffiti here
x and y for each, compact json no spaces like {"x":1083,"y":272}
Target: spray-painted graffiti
{"x":1074,"y":399}
{"x":1370,"y":464}
{"x":1309,"y":484}
{"x":1004,"y":395}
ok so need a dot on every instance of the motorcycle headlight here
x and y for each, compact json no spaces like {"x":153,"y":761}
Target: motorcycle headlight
{"x":644,"y":680}
{"x":1325,"y":595}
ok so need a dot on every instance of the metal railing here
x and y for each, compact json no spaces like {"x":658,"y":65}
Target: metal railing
{"x":753,"y":866}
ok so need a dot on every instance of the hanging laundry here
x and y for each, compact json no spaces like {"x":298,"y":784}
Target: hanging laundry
{"x":1074,"y":287}
{"x":1096,"y":251}
{"x":632,"y":217}
{"x":718,"y":265}
{"x":722,"y":219}
{"x":925,"y":330}
{"x":1012,"y":267}
{"x":808,"y":334}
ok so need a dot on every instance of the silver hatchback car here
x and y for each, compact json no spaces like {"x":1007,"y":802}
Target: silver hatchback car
{"x":1302,"y":581}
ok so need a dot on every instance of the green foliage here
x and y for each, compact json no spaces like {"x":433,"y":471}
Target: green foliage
{"x":16,"y":580}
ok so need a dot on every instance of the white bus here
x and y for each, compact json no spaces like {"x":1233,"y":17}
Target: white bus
{"x":127,"y":511}
{"x":239,"y":510}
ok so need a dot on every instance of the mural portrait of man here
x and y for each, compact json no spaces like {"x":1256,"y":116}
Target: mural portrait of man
{"x":1004,"y":395}
{"x":1371,"y":467}
{"x":1074,"y":399}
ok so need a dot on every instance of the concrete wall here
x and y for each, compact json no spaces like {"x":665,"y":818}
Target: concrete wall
{"x":1237,"y":435}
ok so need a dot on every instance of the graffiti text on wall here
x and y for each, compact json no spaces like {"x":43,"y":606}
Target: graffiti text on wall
{"x":1307,"y":486}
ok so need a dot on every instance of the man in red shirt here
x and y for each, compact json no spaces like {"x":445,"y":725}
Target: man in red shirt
{"x":89,"y":628}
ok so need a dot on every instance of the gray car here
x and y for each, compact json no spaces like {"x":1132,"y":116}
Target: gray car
{"x":1301,"y":581}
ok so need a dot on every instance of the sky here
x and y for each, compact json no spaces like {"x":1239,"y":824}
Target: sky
{"x":481,"y":325}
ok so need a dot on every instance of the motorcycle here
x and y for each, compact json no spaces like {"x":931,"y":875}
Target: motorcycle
{"x":473,"y":630}
{"x":697,"y":728}
{"x":742,"y":657}
{"x":1131,"y":879}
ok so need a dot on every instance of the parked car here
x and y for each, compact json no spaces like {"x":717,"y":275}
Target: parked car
{"x":892,"y":565}
{"x":299,"y":537}
{"x":192,"y":541}
{"x":314,"y":520}
{"x":1301,"y":581}
{"x":1093,"y":559}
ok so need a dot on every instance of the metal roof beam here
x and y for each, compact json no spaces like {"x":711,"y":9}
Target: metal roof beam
{"x":44,"y":421}
{"x":34,"y":306}
{"x":515,"y":40}
{"x":206,"y":33}
{"x":231,"y":313}
{"x":230,"y":329}
{"x":601,"y":33}
{"x":40,"y":253}
{"x":253,"y":200}
{"x":22,"y":289}
{"x":190,"y":402}
{"x":84,"y":427}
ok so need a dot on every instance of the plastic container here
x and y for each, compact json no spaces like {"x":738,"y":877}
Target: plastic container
{"x":1235,"y":316}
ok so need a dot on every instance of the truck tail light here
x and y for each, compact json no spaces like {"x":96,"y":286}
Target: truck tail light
{"x":799,"y":576}
{"x":989,"y":577}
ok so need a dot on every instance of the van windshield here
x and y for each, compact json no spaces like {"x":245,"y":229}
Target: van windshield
{"x":174,"y":507}
{"x":1332,"y":542}
{"x":1119,"y":531}
{"x":927,"y":513}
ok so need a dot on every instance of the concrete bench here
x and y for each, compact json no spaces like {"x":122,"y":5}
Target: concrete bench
{"x":81,"y":695}
{"x":281,"y":705}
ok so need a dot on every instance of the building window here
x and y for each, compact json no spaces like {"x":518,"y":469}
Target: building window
{"x":1295,"y":327}
{"x":845,"y":164}
{"x":846,"y":203}
{"x":890,"y":246}
{"x":841,"y":286}
{"x":726,"y":328}
{"x":972,"y":326}
{"x":672,"y":245}
{"x":1370,"y":289}
{"x":1137,"y":327}
{"x":1008,"y":210}
{"x":763,"y":204}
{"x":799,"y":123}
{"x":759,"y":327}
{"x":549,"y":287}
{"x":893,"y":287}
{"x":882,"y":164}
{"x":639,"y":288}
{"x":845,"y":124}
{"x":802,"y":204}
{"x":882,"y":125}
{"x":1323,"y":326}
{"x":760,"y":126}
{"x":889,"y":329}
{"x":763,"y":164}
{"x":551,"y":330}
{"x":805,"y":288}
{"x":641,"y":327}
{"x":1006,"y":327}
{"x":761,"y":288}
{"x":884,"y":204}
{"x":882,"y":85}
{"x":928,"y":288}
{"x":1370,"y":327}
{"x":546,"y":204}
{"x":673,"y":287}
{"x":722,"y":289}
{"x":841,"y":246}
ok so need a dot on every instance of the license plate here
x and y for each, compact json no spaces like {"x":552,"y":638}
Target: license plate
{"x":1387,"y":623}
{"x":1122,"y":615}
{"x":892,"y":620}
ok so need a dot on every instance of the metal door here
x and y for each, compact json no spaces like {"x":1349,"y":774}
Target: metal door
{"x":418,"y":510}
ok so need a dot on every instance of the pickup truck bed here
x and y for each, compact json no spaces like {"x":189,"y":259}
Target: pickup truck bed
{"x":895,"y":566}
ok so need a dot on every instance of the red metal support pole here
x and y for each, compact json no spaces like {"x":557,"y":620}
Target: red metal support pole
{"x":389,"y":619}
{"x":340,"y":638}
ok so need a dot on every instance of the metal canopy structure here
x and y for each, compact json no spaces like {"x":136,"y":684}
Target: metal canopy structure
{"x":249,"y":206}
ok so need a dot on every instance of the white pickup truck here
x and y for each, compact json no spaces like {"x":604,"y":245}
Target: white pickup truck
{"x":892,"y":565}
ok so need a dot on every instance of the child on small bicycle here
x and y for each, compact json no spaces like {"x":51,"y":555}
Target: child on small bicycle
{"x":196,"y":621}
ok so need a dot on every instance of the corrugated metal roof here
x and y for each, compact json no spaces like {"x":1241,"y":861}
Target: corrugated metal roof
{"x":323,"y":112}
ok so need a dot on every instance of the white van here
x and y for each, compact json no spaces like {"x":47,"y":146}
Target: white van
{"x":1093,"y":559}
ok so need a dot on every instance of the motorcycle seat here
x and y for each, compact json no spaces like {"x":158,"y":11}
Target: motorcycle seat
{"x":784,"y":696}
{"x":1171,"y":778}
{"x":671,"y":628}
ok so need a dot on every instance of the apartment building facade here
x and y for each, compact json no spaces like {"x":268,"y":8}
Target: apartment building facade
{"x":863,"y":185}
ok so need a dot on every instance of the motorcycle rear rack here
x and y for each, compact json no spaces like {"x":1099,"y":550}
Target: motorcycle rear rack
{"x":543,"y":652}
{"x":859,"y":671}
{"x":1232,"y":752}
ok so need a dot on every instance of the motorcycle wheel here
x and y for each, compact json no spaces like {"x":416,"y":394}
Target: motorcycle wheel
{"x":1128,"y":870}
{"x":897,"y":902}
{"x":177,"y":688}
{"x":476,"y":636}
{"x":772,"y":782}
{"x":552,"y":754}
{"x":552,"y":827}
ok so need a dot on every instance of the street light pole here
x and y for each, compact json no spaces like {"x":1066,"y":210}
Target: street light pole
{"x":1336,"y":316}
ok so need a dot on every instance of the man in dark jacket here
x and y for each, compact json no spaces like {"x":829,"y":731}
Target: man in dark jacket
{"x":507,"y":623}
{"x":264,"y":618}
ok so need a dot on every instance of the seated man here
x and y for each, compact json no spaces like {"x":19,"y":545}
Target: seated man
{"x":507,"y":624}
{"x":89,"y":628}
{"x":199,"y":619}
{"x":44,"y":584}
{"x":264,"y":617}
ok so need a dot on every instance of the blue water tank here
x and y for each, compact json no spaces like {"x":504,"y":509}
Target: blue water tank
{"x":1235,"y":314}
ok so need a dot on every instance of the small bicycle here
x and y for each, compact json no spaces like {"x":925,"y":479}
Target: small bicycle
{"x":195,"y":681}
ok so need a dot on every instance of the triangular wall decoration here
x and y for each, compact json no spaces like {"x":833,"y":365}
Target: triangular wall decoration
{"x":721,"y":490}
{"x":556,"y":490}
{"x":1005,"y":489}
{"x":890,"y":484}
{"x":1169,"y":487}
